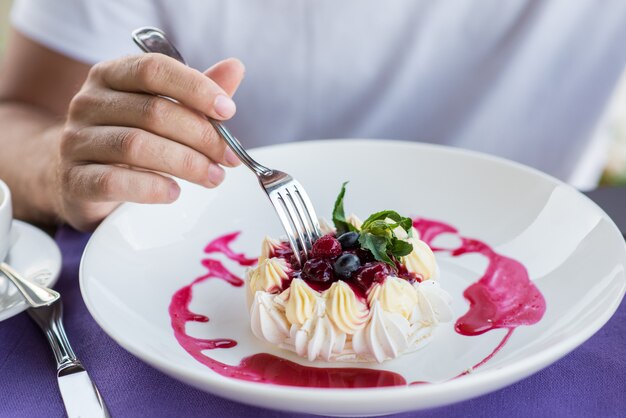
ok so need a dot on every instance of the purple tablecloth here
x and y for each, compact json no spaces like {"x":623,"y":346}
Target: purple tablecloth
{"x":591,"y":381}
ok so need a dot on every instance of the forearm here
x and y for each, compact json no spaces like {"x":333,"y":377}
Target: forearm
{"x":29,"y":141}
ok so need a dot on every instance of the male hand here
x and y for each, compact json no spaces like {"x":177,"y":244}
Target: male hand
{"x":122,"y":141}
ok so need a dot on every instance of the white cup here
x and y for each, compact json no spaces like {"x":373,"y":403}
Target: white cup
{"x":6,"y":218}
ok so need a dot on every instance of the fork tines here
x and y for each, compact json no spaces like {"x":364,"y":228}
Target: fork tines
{"x":298,"y":217}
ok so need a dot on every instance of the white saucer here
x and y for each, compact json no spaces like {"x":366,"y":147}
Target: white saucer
{"x":36,"y":256}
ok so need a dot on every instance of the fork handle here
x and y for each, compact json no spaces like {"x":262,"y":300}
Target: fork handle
{"x":50,"y":320}
{"x":235,"y":145}
{"x":151,"y":39}
{"x":34,"y":294}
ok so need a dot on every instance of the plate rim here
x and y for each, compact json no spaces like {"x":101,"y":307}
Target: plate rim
{"x":479,"y":383}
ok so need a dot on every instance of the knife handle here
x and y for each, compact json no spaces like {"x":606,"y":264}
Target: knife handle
{"x":49,"y":318}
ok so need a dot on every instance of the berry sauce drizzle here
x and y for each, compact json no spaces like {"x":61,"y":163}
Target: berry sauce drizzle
{"x":504,"y":297}
{"x":222,"y":245}
{"x":261,"y":367}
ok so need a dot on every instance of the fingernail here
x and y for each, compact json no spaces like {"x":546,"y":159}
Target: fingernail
{"x":216,"y":174}
{"x":224,"y":106}
{"x":230,"y":157}
{"x":174,"y":191}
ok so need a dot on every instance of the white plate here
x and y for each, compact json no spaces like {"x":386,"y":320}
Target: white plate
{"x":36,"y":256}
{"x":141,"y":255}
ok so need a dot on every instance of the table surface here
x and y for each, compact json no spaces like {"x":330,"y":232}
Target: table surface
{"x":590,"y":381}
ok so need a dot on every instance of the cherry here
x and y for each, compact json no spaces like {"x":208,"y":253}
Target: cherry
{"x":365,"y":255}
{"x":318,"y":270}
{"x":371,"y":273}
{"x":293,"y":261}
{"x":326,"y":247}
{"x":283,"y":251}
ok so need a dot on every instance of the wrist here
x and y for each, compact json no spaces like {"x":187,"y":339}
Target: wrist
{"x":46,"y":198}
{"x":51,"y":176}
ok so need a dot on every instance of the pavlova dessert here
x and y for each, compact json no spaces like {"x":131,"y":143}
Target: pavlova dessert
{"x":368,"y":292}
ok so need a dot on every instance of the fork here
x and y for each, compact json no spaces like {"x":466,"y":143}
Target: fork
{"x":35,"y":295}
{"x":287,"y":195}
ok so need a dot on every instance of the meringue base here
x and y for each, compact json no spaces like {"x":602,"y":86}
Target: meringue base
{"x":383,"y":335}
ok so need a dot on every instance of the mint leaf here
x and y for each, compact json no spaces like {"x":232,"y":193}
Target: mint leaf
{"x":378,"y":227}
{"x":407,"y":224}
{"x":400,"y":221}
{"x":400,"y":248}
{"x":381,"y":216}
{"x":377,"y":245}
{"x":339,"y":215}
{"x":374,"y":221}
{"x":377,"y":233}
{"x":377,"y":236}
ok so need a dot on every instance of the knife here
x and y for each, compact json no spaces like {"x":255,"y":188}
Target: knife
{"x":80,"y":395}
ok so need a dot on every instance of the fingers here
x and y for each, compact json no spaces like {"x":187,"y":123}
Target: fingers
{"x":228,"y":74}
{"x":121,"y":141}
{"x":106,"y":183}
{"x":158,"y":115}
{"x":140,"y":149}
{"x":161,"y":75}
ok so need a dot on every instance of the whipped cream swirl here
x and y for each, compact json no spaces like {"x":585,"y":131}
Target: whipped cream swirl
{"x":267,"y":276}
{"x":421,"y":260}
{"x":394,"y":317}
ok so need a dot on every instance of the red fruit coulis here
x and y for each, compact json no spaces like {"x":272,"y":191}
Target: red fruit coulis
{"x":261,"y":367}
{"x":222,"y":245}
{"x":504,"y":297}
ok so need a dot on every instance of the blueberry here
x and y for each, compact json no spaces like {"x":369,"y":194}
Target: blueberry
{"x":346,"y":264}
{"x":349,"y":240}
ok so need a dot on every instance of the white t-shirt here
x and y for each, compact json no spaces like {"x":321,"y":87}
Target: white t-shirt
{"x":527,"y":80}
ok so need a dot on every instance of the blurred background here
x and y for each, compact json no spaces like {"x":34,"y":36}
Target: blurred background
{"x":5,"y":5}
{"x":613,"y":127}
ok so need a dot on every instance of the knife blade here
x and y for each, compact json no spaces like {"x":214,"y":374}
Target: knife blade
{"x":80,"y":396}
